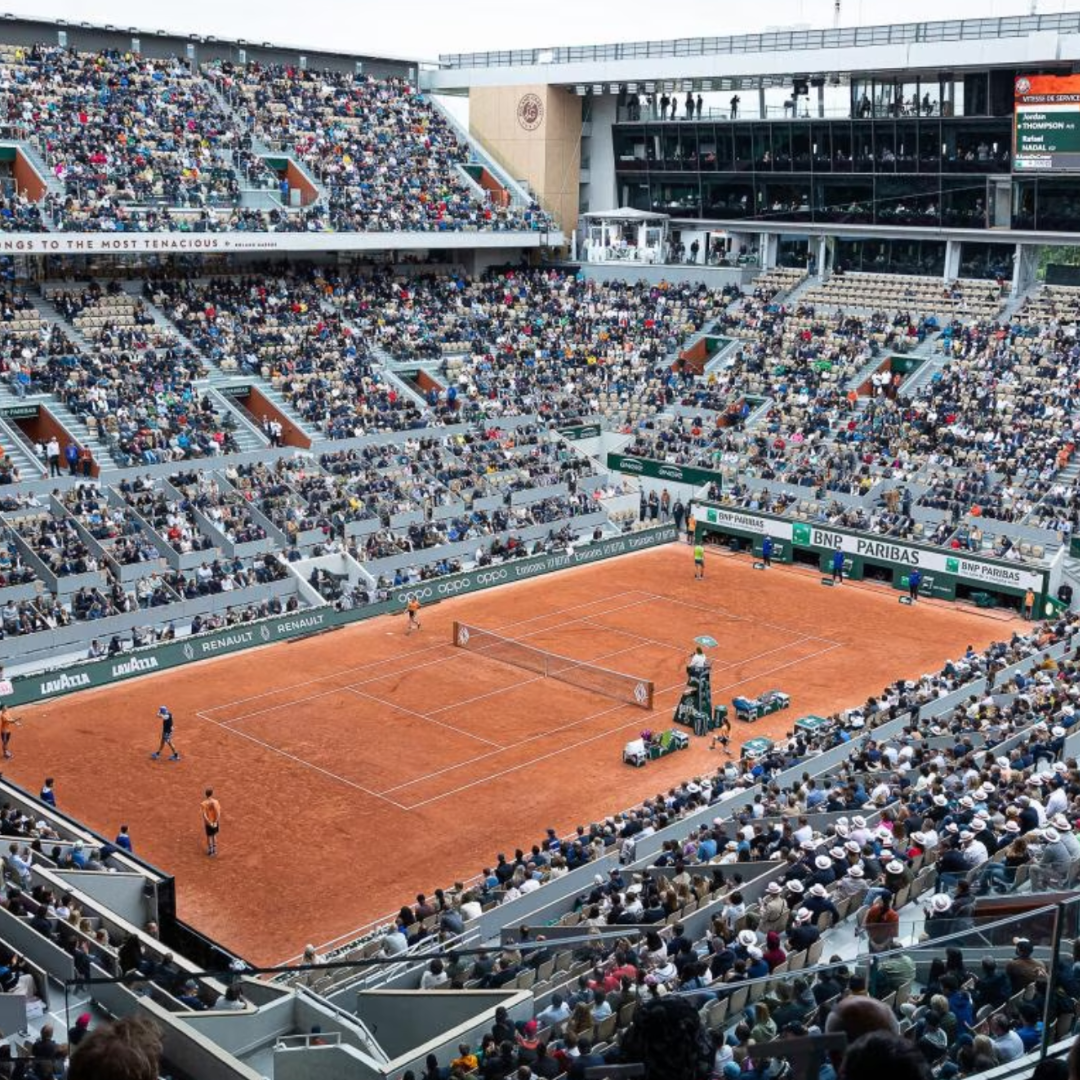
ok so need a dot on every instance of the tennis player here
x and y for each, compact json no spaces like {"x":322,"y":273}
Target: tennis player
{"x":699,"y":560}
{"x":166,"y":735}
{"x":413,"y":608}
{"x":211,"y":815}
{"x":7,"y":724}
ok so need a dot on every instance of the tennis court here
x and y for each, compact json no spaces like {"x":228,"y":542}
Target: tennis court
{"x":358,"y":767}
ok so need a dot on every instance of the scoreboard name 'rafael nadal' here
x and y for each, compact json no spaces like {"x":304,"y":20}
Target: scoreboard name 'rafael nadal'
{"x":1046,"y":123}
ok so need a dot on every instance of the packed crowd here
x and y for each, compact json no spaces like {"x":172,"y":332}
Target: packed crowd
{"x":522,"y":341}
{"x":118,"y":129}
{"x":388,"y":158}
{"x":145,"y":145}
{"x":290,"y":331}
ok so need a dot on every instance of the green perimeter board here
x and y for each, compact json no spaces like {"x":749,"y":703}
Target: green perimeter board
{"x":934,"y":585}
{"x":663,"y":470}
{"x":27,"y":689}
{"x":937,"y":582}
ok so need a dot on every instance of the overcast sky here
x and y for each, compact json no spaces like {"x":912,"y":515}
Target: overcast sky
{"x":425,"y":28}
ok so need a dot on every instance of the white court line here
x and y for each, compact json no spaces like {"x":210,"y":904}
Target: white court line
{"x":404,"y":657}
{"x":724,"y":665}
{"x":453,"y":655}
{"x":630,"y":633}
{"x":523,"y":742}
{"x":589,"y":603}
{"x":571,"y":622}
{"x":583,"y":742}
{"x":742,"y":618}
{"x":300,"y":761}
{"x":408,"y":669}
{"x":421,"y":716}
{"x":505,"y":689}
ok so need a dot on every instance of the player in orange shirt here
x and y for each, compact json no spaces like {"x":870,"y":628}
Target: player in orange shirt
{"x":413,"y":608}
{"x":211,"y":815}
{"x":7,"y":723}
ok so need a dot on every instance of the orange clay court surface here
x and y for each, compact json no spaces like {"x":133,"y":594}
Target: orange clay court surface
{"x":360,"y":767}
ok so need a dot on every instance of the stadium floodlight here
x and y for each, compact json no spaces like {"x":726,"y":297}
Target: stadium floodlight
{"x":650,"y":88}
{"x":706,"y":85}
{"x":598,"y":89}
{"x":579,"y":90}
{"x":669,"y":88}
{"x":688,"y":84}
{"x":614,"y":88}
{"x":631,"y":87}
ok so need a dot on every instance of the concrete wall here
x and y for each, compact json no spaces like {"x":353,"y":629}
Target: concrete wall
{"x":239,"y":1033}
{"x":535,"y":133}
{"x":323,"y":1063}
{"x":714,"y":277}
{"x":416,"y":1024}
{"x":406,"y":1019}
{"x":121,"y":894}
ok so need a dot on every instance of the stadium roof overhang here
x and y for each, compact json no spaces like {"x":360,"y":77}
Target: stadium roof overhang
{"x":882,"y":232}
{"x":774,"y":59}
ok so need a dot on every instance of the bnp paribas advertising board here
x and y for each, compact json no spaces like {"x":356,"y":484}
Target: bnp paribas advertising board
{"x":941,"y":568}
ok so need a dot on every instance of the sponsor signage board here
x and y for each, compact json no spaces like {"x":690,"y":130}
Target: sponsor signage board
{"x":938,"y":565}
{"x":22,"y":690}
{"x":663,"y":470}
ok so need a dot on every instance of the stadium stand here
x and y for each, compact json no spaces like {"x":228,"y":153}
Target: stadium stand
{"x":192,"y":445}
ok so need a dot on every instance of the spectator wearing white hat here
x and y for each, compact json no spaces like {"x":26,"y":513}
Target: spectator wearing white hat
{"x":803,"y":932}
{"x":974,"y":850}
{"x":853,"y":884}
{"x":774,"y":910}
{"x":818,"y":902}
{"x":823,"y":874}
{"x":1051,"y":871}
{"x":1058,"y":800}
{"x":1068,"y":837}
{"x":939,"y":920}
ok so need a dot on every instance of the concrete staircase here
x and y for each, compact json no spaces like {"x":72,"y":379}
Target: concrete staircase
{"x":260,"y":149}
{"x":49,"y":314}
{"x":134,"y":290}
{"x":16,"y":446}
{"x":78,"y":430}
{"x":757,"y":416}
{"x":219,"y":380}
{"x":245,"y":430}
{"x":793,"y":296}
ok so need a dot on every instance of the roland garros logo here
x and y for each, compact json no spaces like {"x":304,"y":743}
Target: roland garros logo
{"x":530,"y":112}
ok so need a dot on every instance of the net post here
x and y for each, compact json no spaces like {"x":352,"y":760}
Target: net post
{"x":651,"y":686}
{"x":454,"y":640}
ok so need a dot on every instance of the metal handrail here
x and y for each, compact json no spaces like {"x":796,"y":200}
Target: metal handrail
{"x":777,"y":41}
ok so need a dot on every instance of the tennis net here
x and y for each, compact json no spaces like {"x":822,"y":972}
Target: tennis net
{"x":612,"y":684}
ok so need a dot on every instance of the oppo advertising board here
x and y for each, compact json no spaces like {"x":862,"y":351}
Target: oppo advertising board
{"x":1046,"y":124}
